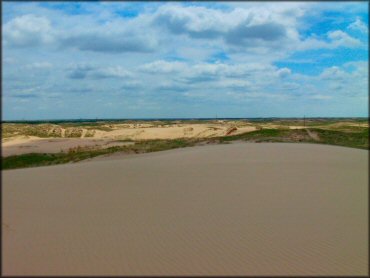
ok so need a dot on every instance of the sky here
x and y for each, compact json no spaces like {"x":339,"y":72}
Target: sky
{"x":72,"y":60}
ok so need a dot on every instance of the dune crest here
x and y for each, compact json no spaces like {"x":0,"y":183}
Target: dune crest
{"x":237,"y":209}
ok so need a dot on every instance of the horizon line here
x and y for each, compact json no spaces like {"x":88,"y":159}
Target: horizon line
{"x":185,"y":118}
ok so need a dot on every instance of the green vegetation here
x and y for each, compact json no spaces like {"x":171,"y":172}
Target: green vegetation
{"x":354,"y":139}
{"x":46,"y":130}
{"x":270,"y":135}
{"x":44,"y":159}
{"x":160,"y":145}
{"x":29,"y":160}
{"x":344,"y":128}
{"x":307,"y":122}
{"x":124,"y":140}
{"x":79,"y":153}
{"x":104,"y":126}
{"x":40,"y":130}
{"x":263,"y":133}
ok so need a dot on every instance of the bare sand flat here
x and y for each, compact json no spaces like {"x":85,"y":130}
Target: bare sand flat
{"x":145,"y":131}
{"x":237,"y":209}
{"x":56,"y":145}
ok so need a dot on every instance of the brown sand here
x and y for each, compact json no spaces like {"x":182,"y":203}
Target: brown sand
{"x":22,"y":144}
{"x":56,"y":145}
{"x":148,"y":131}
{"x":237,"y":209}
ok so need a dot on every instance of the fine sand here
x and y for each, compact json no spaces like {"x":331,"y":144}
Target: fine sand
{"x":21,"y":144}
{"x":140,"y":132}
{"x":236,"y":209}
{"x":56,"y":145}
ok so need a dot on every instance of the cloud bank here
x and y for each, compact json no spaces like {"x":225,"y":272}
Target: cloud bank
{"x":185,"y":59}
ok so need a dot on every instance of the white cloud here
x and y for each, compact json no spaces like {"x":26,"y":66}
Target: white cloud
{"x":336,"y":39}
{"x":235,"y":84}
{"x":112,"y":37}
{"x":240,"y":28}
{"x":283,"y":72}
{"x":171,"y":86}
{"x":340,"y":38}
{"x":266,"y":29}
{"x":358,"y":25}
{"x":28,"y":30}
{"x":333,"y":73}
{"x":320,"y":97}
{"x":204,"y":70}
{"x":39,"y":65}
{"x":167,"y":53}
{"x":131,"y":84}
{"x":350,"y":79}
{"x":163,"y":67}
{"x":111,"y":72}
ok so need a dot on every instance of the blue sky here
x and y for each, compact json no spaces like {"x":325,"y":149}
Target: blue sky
{"x":173,"y":59}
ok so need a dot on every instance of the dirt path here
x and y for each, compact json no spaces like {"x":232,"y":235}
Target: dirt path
{"x":84,"y":131}
{"x":313,"y":135}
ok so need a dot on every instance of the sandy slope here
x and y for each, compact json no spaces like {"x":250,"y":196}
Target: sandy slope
{"x":26,"y":144}
{"x":56,"y":145}
{"x":238,"y":209}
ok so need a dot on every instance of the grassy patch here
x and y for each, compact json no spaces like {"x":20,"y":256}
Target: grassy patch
{"x":39,"y":130}
{"x":44,"y":159}
{"x":29,"y":160}
{"x":354,"y":139}
{"x":79,"y":153}
{"x":345,"y":128}
{"x":268,"y":135}
{"x":301,"y":122}
{"x":128,"y":140}
{"x":102,"y":128}
{"x":160,"y":145}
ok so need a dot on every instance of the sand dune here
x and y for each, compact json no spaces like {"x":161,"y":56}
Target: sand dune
{"x":17,"y":145}
{"x":171,"y":132}
{"x":237,"y":209}
{"x":56,"y":145}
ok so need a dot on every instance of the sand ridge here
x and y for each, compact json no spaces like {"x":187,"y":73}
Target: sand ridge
{"x":237,"y":209}
{"x":145,"y":132}
{"x":21,"y":144}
